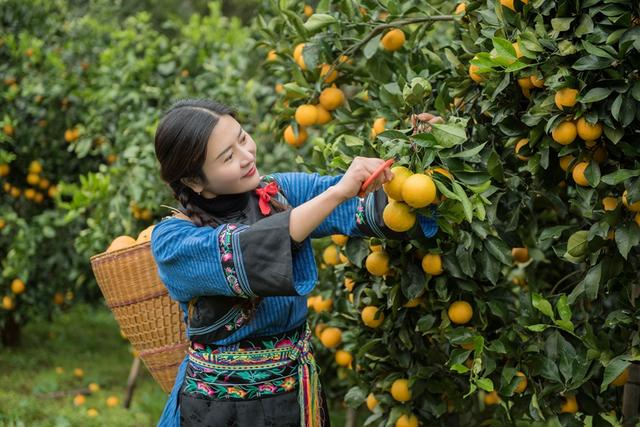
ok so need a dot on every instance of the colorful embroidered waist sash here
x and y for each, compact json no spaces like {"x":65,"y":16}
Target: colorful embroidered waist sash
{"x":258,"y":367}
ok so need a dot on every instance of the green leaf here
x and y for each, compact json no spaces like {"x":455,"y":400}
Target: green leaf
{"x":499,"y":249}
{"x":595,"y":95}
{"x":619,"y":176}
{"x":537,"y":327}
{"x":561,"y":24}
{"x":542,"y":305}
{"x":466,"y":203}
{"x":371,"y":47}
{"x":355,"y":397}
{"x":485,"y":383}
{"x":565,"y":324}
{"x":318,"y":21}
{"x":448,"y":135}
{"x":564,"y":311}
{"x":591,"y":62}
{"x":459,"y":368}
{"x":504,"y":48}
{"x":627,"y":236}
{"x":615,"y":367}
{"x":468,"y":153}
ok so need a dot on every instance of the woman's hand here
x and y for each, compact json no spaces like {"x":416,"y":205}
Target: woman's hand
{"x":359,"y":171}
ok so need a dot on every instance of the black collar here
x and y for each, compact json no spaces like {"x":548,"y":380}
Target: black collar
{"x":222,"y":205}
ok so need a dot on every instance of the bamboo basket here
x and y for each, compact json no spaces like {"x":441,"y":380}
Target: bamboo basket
{"x":140,"y":302}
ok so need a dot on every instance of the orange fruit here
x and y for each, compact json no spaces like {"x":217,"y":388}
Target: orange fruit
{"x":349,"y":283}
{"x":609,"y":203}
{"x":330,"y":255}
{"x":8,"y":129}
{"x":418,"y":190}
{"x":35,"y":167}
{"x":292,"y":139}
{"x":329,"y":77}
{"x":145,"y":235}
{"x":578,"y":174}
{"x":588,"y":131}
{"x":339,"y":239}
{"x":78,"y":373}
{"x":441,"y":171}
{"x":321,"y":304}
{"x":4,"y":169}
{"x":94,"y":388}
{"x":308,"y":10}
{"x":407,"y":421}
{"x":377,"y":263}
{"x":621,"y":379}
{"x":319,"y":328}
{"x":53,"y":191}
{"x":393,"y":40}
{"x":92,"y":412}
{"x":519,"y":146}
{"x":520,"y":254}
{"x":565,"y":162}
{"x":566,"y":97}
{"x":460,"y":8}
{"x":33,"y":179}
{"x":324,"y":116}
{"x":112,"y":401}
{"x":393,"y":188}
{"x":306,"y":115}
{"x":279,"y":88}
{"x":343,"y":358}
{"x":58,"y":298}
{"x":331,"y":337}
{"x":29,"y":193}
{"x":121,"y":242}
{"x":400,"y":390}
{"x":634,"y":207}
{"x":272,"y":55}
{"x":8,"y":303}
{"x":536,"y":82}
{"x":79,"y":400}
{"x":432,"y":264}
{"x":372,"y":402}
{"x":637,"y":219}
{"x":297,"y":56}
{"x":331,"y":98}
{"x":44,"y":183}
{"x":413,"y":302}
{"x":522,"y":385}
{"x":473,"y":73}
{"x":516,"y":47}
{"x":378,"y":126}
{"x":17,"y":286}
{"x":565,"y":133}
{"x":492,"y":398}
{"x":525,"y":83}
{"x":369,"y":314}
{"x":508,"y":4}
{"x":460,"y":312}
{"x":570,"y":404}
{"x":398,"y":216}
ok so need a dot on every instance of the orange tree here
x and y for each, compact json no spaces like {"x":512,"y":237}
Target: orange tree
{"x":522,"y":308}
{"x":80,"y":98}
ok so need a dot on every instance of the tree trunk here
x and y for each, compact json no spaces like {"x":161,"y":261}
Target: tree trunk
{"x":10,"y":333}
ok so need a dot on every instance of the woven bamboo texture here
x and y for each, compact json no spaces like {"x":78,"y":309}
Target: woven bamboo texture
{"x":140,"y":302}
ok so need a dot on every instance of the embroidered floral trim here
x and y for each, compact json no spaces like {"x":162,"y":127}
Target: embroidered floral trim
{"x":228,"y":260}
{"x":365,"y":218}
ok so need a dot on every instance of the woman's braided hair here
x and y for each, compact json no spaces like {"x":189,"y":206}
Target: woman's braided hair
{"x":181,"y":147}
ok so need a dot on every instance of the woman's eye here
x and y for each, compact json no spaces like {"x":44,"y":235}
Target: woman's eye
{"x":228,"y":158}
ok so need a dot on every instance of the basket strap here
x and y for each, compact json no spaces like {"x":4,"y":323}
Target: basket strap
{"x":137,"y":300}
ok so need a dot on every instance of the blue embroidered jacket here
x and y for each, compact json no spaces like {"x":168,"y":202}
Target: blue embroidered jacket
{"x":206,"y":261}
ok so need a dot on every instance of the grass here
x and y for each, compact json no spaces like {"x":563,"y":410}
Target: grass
{"x":87,"y":338}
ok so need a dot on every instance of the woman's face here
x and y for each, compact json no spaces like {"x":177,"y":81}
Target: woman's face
{"x":230,"y":164}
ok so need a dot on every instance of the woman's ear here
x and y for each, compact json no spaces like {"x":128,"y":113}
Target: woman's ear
{"x":192,"y":183}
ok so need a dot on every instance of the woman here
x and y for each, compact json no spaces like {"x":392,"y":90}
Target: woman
{"x":238,"y":259}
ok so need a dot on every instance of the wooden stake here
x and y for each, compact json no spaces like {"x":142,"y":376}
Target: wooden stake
{"x":131,"y":382}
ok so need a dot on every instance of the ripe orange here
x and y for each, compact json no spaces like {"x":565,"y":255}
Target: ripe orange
{"x":33,"y":179}
{"x":570,"y":405}
{"x":418,"y":190}
{"x":294,"y":140}
{"x":520,"y":254}
{"x":393,"y":40}
{"x":331,"y":98}
{"x":369,"y":314}
{"x":339,"y":239}
{"x":637,"y":219}
{"x":349,"y":283}
{"x":372,"y":402}
{"x":565,"y":162}
{"x":522,"y":385}
{"x":112,"y":401}
{"x":492,"y":398}
{"x":508,"y":4}
{"x":4,"y":169}
{"x":29,"y":193}
{"x":17,"y":286}
{"x":121,"y":242}
{"x":460,"y":8}
{"x":58,"y":298}
{"x":398,"y":216}
{"x":565,"y":133}
{"x":331,"y":337}
{"x":525,"y":83}
{"x":407,"y":421}
{"x":79,"y":400}
{"x":145,"y":235}
{"x":272,"y":55}
{"x":324,"y":116}
{"x":634,"y":207}
{"x":377,"y":263}
{"x":330,"y":255}
{"x":279,"y":88}
{"x":621,"y":379}
{"x":44,"y":183}
{"x":536,"y":82}
{"x":588,"y":131}
{"x":609,"y":203}
{"x":35,"y":167}
{"x":53,"y":191}
{"x":519,"y":146}
{"x":78,"y":373}
{"x":306,"y":115}
{"x":473,"y":73}
{"x":319,"y":328}
{"x":343,"y":358}
{"x":413,"y":302}
{"x":566,"y":97}
{"x":320,"y":304}
{"x":400,"y":390}
{"x":393,"y":188}
{"x":578,"y":174}
{"x":8,"y":129}
{"x":8,"y":303}
{"x":378,"y":126}
{"x":432,"y":264}
{"x":308,"y":10}
{"x":460,"y":312}
{"x":94,"y":387}
{"x":516,"y":47}
{"x":329,"y":77}
{"x":297,"y":56}
{"x":92,"y":412}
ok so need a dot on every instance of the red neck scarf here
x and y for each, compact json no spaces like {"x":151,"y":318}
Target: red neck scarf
{"x":265,"y":194}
